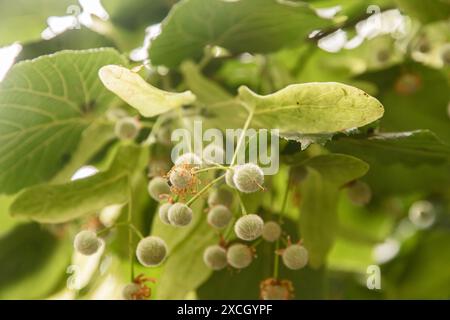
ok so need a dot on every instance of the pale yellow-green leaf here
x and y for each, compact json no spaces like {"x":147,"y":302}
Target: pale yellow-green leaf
{"x":317,"y":107}
{"x":139,"y":94}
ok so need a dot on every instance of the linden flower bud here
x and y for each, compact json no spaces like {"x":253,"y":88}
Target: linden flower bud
{"x":180,"y":215}
{"x":127,"y":128}
{"x":163,"y":212}
{"x":188,"y":158}
{"x":249,"y":227}
{"x":239,"y":256}
{"x":129,"y":291}
{"x":359,"y":193}
{"x":220,"y":196}
{"x":213,"y":153}
{"x":229,"y":178}
{"x":295,"y":257}
{"x":248,"y":178}
{"x":181,"y":177}
{"x":215,"y":257}
{"x":86,"y":242}
{"x":219,"y":216}
{"x":422,"y":214}
{"x":271,"y":231}
{"x":151,"y":251}
{"x":157,"y":187}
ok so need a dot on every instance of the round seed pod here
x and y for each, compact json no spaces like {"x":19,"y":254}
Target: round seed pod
{"x":181,"y":177}
{"x":248,"y":178}
{"x":275,"y":292}
{"x":359,"y":193}
{"x":295,"y":257}
{"x":229,"y":178}
{"x":151,"y":251}
{"x":215,"y":257}
{"x":213,"y":153}
{"x":271,"y":231}
{"x":249,"y":227}
{"x":163,"y":212}
{"x":86,"y":242}
{"x":422,"y":214}
{"x":129,"y":291}
{"x":239,"y":256}
{"x":157,"y":187}
{"x":220,"y":196}
{"x":188,"y":158}
{"x":180,"y":215}
{"x":219,"y":216}
{"x":127,"y":128}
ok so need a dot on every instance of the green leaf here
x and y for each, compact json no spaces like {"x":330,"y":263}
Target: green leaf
{"x":77,"y":39}
{"x":33,"y":262}
{"x":139,"y":94}
{"x":136,"y":15}
{"x":339,"y":169}
{"x":45,"y":104}
{"x":24,"y":21}
{"x":96,"y":136}
{"x":425,"y":11}
{"x":205,"y":89}
{"x":320,"y":191}
{"x":313,"y":108}
{"x":239,"y":26}
{"x":400,"y":162}
{"x":409,"y":148}
{"x":65,"y":202}
{"x":422,"y":104}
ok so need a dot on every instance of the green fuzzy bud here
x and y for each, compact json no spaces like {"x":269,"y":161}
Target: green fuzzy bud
{"x":271,"y":231}
{"x":130,"y":290}
{"x":239,"y":256}
{"x":215,"y":257}
{"x":359,"y":193}
{"x":180,"y":215}
{"x":229,"y":178}
{"x":151,"y":251}
{"x":157,"y":187}
{"x":127,"y":128}
{"x":422,"y":214}
{"x":220,"y":196}
{"x":86,"y":242}
{"x":248,"y":178}
{"x":249,"y":227}
{"x":163,"y":212}
{"x":219,"y":216}
{"x":295,"y":257}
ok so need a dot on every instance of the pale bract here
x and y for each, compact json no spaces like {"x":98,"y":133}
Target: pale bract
{"x":139,"y":94}
{"x":311,"y":108}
